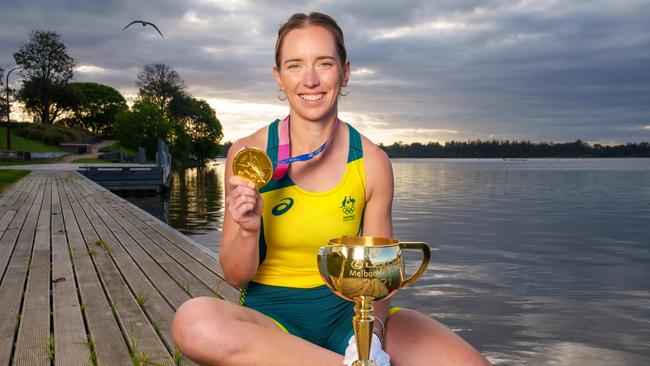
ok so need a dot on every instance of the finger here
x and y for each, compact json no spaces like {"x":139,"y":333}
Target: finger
{"x":245,"y":199}
{"x":245,"y":191}
{"x":238,"y":192}
{"x":243,"y":205}
{"x":239,"y":181}
{"x":241,"y":213}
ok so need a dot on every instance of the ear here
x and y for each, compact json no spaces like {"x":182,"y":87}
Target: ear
{"x":346,"y":72}
{"x":278,"y":79}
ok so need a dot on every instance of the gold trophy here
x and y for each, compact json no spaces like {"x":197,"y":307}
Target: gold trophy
{"x":365,"y":269}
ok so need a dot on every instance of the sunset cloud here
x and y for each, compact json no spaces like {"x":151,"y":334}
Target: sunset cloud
{"x":537,"y":70}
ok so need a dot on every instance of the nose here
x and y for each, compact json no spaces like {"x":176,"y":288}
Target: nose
{"x":310,"y":78}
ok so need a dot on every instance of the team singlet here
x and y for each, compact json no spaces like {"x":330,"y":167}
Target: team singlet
{"x":295,"y":222}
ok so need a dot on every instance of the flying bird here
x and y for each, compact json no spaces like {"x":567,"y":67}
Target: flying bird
{"x":143,"y":22}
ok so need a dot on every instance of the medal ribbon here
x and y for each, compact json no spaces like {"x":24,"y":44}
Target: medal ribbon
{"x":284,"y":150}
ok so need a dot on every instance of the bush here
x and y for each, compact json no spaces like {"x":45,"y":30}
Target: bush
{"x":116,"y":147}
{"x":51,"y":134}
{"x":142,"y":126}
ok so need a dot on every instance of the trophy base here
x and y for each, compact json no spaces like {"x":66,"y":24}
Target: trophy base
{"x":364,"y":363}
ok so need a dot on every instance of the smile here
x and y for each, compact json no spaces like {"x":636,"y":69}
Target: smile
{"x":311,"y":97}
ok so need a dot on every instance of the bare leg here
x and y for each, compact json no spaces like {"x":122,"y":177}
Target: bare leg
{"x":216,"y":332}
{"x":414,"y":339}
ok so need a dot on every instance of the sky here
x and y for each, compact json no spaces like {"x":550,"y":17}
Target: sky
{"x":421,"y":70}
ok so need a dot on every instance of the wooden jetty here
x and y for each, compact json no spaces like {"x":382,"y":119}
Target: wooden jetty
{"x":89,"y":279}
{"x":127,"y":178}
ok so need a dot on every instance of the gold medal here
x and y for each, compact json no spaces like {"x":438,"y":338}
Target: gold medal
{"x":253,"y":164}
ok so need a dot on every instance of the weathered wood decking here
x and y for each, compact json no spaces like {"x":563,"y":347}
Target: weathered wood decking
{"x":87,"y":278}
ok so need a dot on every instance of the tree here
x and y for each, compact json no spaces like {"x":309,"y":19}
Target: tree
{"x":59,"y":97}
{"x":48,"y":68}
{"x":97,"y":108}
{"x":200,"y":124}
{"x":159,"y":83}
{"x":142,"y":126}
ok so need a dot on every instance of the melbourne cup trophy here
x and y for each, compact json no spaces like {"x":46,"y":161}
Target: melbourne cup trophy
{"x":366,"y":269}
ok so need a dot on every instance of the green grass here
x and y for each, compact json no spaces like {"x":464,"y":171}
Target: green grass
{"x":48,"y":347}
{"x":141,"y":297}
{"x":25,"y":162}
{"x":91,"y":349}
{"x":90,"y":161}
{"x":8,"y":177}
{"x":19,"y":143}
{"x":104,"y":245}
{"x":178,"y":356}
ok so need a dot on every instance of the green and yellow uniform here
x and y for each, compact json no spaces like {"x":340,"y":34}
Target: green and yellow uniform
{"x":295,"y":223}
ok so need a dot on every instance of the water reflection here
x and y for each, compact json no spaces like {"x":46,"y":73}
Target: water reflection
{"x":540,"y":262}
{"x":196,"y":203}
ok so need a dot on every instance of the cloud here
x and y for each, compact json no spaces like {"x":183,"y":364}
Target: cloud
{"x":538,"y":70}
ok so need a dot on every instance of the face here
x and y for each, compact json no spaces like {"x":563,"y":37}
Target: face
{"x":311,"y":73}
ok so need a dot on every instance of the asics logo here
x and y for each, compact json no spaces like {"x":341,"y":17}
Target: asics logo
{"x":282,"y":207}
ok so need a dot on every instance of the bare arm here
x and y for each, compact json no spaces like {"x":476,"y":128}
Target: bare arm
{"x":239,"y":253}
{"x":377,"y":217}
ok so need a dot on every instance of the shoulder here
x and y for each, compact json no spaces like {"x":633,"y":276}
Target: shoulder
{"x":375,"y":158}
{"x":378,"y":169}
{"x":256,"y":139}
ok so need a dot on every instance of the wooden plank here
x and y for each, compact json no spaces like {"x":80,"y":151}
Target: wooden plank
{"x":188,"y":280}
{"x":178,"y":239}
{"x":172,"y":242}
{"x":141,"y":337}
{"x":69,"y":329}
{"x":104,"y":332}
{"x":145,"y":279}
{"x":15,"y":201}
{"x":33,"y":344}
{"x":11,"y":224}
{"x":11,"y":289}
{"x":12,"y":194}
{"x":12,"y":230}
{"x":165,"y":230}
{"x":158,"y":247}
{"x":171,"y":290}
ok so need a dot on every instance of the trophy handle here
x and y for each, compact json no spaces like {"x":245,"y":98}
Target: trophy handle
{"x":426,"y":253}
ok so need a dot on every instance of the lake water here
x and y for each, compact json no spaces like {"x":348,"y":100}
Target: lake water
{"x":537,"y":262}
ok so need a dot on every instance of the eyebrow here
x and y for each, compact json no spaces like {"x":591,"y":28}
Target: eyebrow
{"x":317,"y":59}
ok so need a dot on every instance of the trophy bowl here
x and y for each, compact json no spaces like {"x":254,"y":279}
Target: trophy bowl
{"x":365,"y":269}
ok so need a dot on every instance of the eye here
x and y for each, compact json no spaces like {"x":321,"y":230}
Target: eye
{"x":324,"y":64}
{"x":293,"y":66}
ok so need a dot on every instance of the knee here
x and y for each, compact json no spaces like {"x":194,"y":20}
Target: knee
{"x":196,"y":327}
{"x":413,"y":338}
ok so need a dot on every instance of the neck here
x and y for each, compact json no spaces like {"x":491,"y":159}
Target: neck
{"x":306,"y":136}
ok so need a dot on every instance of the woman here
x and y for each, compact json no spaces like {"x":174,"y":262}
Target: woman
{"x":271,"y":236}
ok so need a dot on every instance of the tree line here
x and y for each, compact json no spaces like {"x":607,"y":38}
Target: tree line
{"x":162,"y":109}
{"x":514,"y":149}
